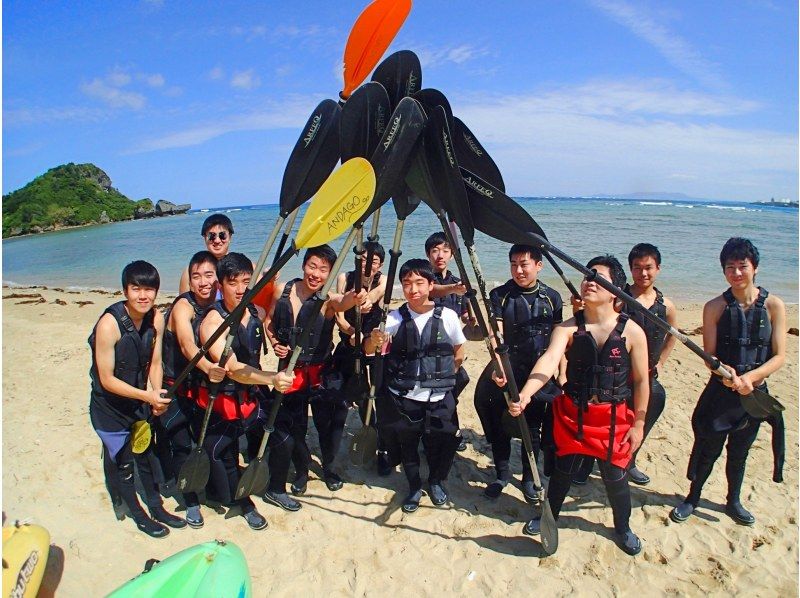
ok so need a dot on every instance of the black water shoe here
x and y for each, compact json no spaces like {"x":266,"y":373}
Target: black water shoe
{"x":739,"y":514}
{"x":638,"y":477}
{"x":438,"y":494}
{"x":411,"y":503}
{"x":282,"y":500}
{"x":299,"y":486}
{"x":194,"y":517}
{"x":531,"y":492}
{"x":152,"y":528}
{"x":629,"y":542}
{"x":682,"y":512}
{"x":495,"y":489}
{"x":159,"y":514}
{"x":332,"y":481}
{"x":255,"y":520}
{"x":533,"y":527}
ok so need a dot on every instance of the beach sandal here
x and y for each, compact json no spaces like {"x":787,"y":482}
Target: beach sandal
{"x":411,"y":503}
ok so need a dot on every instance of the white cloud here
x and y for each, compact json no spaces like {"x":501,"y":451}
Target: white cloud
{"x":245,"y":79}
{"x":675,"y":49}
{"x":434,"y":57}
{"x":289,"y":114}
{"x":154,"y":80}
{"x":623,"y":138}
{"x":39,"y":115}
{"x":112,"y":95}
{"x":173,"y":91}
{"x":118,"y":78}
{"x":216,"y":73}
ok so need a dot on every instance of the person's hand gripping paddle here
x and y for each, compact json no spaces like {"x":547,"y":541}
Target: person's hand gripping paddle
{"x":344,"y":194}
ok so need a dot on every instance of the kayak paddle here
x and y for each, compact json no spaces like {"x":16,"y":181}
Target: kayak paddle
{"x":401,"y":74}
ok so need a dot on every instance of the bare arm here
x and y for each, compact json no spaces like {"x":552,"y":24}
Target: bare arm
{"x":459,"y":355}
{"x":183,"y":286}
{"x":669,"y":343}
{"x":777,"y":315}
{"x":181,"y":323}
{"x":341,"y":322}
{"x":269,"y":329}
{"x":545,"y":366}
{"x":637,"y":348}
{"x":156,"y":373}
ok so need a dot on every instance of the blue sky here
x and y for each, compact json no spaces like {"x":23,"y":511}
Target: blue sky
{"x":201,"y":102}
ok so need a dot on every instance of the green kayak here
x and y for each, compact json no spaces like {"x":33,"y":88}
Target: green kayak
{"x":213,"y":569}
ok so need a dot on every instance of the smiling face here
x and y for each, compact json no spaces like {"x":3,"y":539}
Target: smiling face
{"x":644,"y":271}
{"x":203,"y":281}
{"x":740,"y":274}
{"x":525,"y":269}
{"x":315,"y":273}
{"x":140,"y":299}
{"x":233,"y":289}
{"x":416,"y":290}
{"x":218,"y":240}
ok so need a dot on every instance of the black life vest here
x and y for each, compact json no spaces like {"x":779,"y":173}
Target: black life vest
{"x":132,"y":355}
{"x":598,"y":375}
{"x":369,"y":320}
{"x":656,"y":337}
{"x":247,"y":345}
{"x":288,"y":329}
{"x":173,"y":357}
{"x":744,"y":339}
{"x":527,"y":323}
{"x":427,"y":358}
{"x":452,"y":300}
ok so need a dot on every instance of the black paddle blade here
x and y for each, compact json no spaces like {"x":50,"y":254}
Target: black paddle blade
{"x":472,"y":156}
{"x":393,"y":155}
{"x":254,"y":479}
{"x":430,"y":98}
{"x":400,"y":74}
{"x":419,"y":178}
{"x":404,"y":202}
{"x":363,"y":446}
{"x":496,"y":214}
{"x":447,"y":182}
{"x":761,"y":405}
{"x":356,"y":389}
{"x":548,"y":528}
{"x":194,"y":474}
{"x":313,"y":158}
{"x":364,"y":117}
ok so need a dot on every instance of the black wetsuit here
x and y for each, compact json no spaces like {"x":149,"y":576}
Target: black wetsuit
{"x":239,"y":409}
{"x":528,"y":317}
{"x":656,"y":338}
{"x":744,"y":341}
{"x":112,"y":416}
{"x":319,"y":389}
{"x":427,"y":359}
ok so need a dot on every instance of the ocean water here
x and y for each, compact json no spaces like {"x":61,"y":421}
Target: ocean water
{"x":688,"y":234}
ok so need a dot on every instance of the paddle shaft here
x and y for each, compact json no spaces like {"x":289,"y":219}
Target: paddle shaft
{"x":286,"y":232}
{"x":357,"y":283}
{"x":319,"y":301}
{"x":563,"y":276}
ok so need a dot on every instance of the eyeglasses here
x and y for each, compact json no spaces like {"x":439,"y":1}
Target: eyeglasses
{"x":223,"y":236}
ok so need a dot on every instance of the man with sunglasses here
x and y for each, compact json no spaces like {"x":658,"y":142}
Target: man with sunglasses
{"x":217,"y":233}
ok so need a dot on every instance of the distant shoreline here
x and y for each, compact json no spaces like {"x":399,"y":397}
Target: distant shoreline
{"x":58,"y":229}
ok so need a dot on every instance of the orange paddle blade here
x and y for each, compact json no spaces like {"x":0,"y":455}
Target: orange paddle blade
{"x":372,"y":33}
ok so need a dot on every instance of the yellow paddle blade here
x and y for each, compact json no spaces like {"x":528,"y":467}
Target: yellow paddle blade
{"x":140,"y":436}
{"x":342,"y":199}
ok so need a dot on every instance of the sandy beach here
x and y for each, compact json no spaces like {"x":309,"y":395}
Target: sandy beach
{"x":357,"y":542}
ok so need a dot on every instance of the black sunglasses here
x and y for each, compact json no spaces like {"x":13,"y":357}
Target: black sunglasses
{"x":223,"y":236}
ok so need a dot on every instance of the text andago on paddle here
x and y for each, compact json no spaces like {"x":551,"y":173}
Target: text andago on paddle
{"x":345,"y":215}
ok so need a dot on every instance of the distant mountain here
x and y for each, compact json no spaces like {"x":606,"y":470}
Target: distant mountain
{"x":72,"y":195}
{"x":656,"y":195}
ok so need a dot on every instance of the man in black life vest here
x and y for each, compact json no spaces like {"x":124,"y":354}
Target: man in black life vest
{"x":180,"y":345}
{"x":449,"y":291}
{"x":374,"y":282}
{"x":745,"y":328}
{"x":238,"y":407}
{"x":315,"y":382}
{"x":126,"y":355}
{"x":419,"y":375}
{"x":644,"y":261}
{"x":526,"y":310}
{"x":605,"y":350}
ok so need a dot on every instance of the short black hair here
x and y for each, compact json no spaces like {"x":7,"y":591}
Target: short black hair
{"x":737,"y":248}
{"x":434,"y":240}
{"x":232,"y":265}
{"x":641,"y":250}
{"x":216,"y":220}
{"x":419,"y":267}
{"x":618,"y":278}
{"x":201,"y":257}
{"x":519,"y":248}
{"x":377,"y":249}
{"x":323,"y":252}
{"x":140,"y":274}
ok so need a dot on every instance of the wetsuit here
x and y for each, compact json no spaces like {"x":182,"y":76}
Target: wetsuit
{"x":656,"y":337}
{"x":744,"y":341}
{"x":315,"y":383}
{"x":458,"y":303}
{"x":113,"y":416}
{"x":592,"y":416}
{"x":173,"y":429}
{"x":528,"y":317}
{"x":238,"y":409}
{"x":416,"y":401}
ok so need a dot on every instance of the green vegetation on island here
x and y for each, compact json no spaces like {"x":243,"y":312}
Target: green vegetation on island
{"x":73,"y":195}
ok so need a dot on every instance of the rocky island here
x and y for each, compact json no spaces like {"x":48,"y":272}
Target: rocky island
{"x":75,"y":195}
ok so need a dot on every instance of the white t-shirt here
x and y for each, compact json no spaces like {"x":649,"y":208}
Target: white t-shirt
{"x":452,"y":328}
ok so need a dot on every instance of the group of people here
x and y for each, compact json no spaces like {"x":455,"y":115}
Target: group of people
{"x":588,"y":385}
